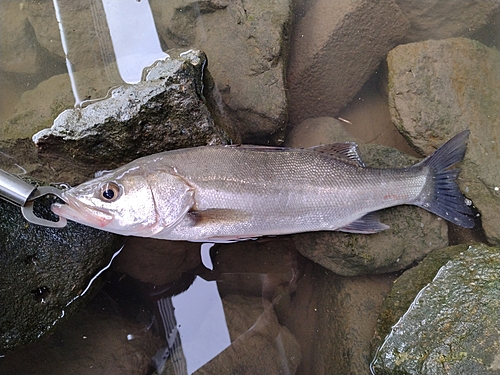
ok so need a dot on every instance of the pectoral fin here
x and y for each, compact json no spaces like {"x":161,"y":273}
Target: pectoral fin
{"x":217,"y":216}
{"x":370,"y":223}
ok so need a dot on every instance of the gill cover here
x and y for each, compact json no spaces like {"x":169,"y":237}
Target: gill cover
{"x":173,"y":198}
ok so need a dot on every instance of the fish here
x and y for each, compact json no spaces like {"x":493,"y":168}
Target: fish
{"x":238,"y":192}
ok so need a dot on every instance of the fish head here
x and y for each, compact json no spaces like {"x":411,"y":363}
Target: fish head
{"x":120,"y":201}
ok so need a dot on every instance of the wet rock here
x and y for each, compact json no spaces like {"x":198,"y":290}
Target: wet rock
{"x":332,"y":56}
{"x":247,"y":45}
{"x":439,"y":88}
{"x":333,"y":318}
{"x":446,"y":19}
{"x":407,"y":286}
{"x":38,"y":108}
{"x":44,"y":273}
{"x":93,"y":341}
{"x":267,"y":268}
{"x":18,"y":46}
{"x":164,"y":112}
{"x":452,"y":325}
{"x":157,"y":262}
{"x":259,"y":343}
{"x":413,"y":232}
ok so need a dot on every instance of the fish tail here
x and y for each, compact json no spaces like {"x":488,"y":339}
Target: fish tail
{"x":443,"y":196}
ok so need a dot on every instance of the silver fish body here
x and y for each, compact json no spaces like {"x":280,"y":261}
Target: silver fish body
{"x":219,"y":193}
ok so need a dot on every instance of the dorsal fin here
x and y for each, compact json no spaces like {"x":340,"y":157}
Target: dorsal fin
{"x":347,"y":151}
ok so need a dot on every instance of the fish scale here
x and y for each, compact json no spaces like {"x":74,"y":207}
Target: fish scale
{"x":219,"y":193}
{"x":294,"y":191}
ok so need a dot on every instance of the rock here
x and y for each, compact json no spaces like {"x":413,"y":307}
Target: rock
{"x":38,"y":108}
{"x":18,"y":46}
{"x":439,"y":88}
{"x":96,"y":340}
{"x":318,"y":131}
{"x":407,"y":286}
{"x":267,"y":268}
{"x":166,"y":111}
{"x":452,"y":325}
{"x":157,"y":262}
{"x":413,"y":232}
{"x":333,"y":318}
{"x":260,"y":345}
{"x":332,"y":56}
{"x":247,"y":46}
{"x":88,"y":42}
{"x":446,"y":19}
{"x":45,"y":274}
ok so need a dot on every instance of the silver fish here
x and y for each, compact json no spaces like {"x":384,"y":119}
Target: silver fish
{"x":224,"y":193}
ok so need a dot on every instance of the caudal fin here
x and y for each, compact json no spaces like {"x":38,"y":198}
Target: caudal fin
{"x":444,"y":197}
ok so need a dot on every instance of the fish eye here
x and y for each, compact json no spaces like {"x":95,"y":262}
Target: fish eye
{"x":110,"y":191}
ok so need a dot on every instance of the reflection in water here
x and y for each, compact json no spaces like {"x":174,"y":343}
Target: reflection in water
{"x":168,"y":329}
{"x":126,"y":36}
{"x":201,"y":323}
{"x":139,"y":48}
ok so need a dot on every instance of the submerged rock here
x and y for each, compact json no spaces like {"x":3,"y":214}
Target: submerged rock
{"x":45,"y":273}
{"x":439,"y":88}
{"x":333,"y":318}
{"x":247,"y":43}
{"x":452,"y":325}
{"x":336,"y":46}
{"x":446,"y":19}
{"x":19,"y":52}
{"x":258,"y":341}
{"x":38,"y":108}
{"x":96,"y":338}
{"x":413,"y":232}
{"x":165,"y":111}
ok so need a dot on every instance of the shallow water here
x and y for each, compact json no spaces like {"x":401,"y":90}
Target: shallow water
{"x":255,"y":305}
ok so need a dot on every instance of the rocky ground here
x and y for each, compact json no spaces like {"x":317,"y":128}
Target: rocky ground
{"x":398,"y":77}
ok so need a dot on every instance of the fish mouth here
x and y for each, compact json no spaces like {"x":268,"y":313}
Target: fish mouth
{"x":78,"y":212}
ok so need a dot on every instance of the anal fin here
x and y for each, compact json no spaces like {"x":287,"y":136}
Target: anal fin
{"x":370,"y":223}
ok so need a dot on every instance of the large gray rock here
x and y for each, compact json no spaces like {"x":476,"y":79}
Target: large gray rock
{"x":336,"y":46}
{"x":446,"y":19}
{"x":165,"y":111}
{"x":247,"y":45}
{"x":413,"y":232}
{"x":452,"y":325}
{"x":439,"y":88}
{"x":43,"y":273}
{"x":407,"y":286}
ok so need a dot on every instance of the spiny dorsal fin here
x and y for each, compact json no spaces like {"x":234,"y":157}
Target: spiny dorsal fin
{"x":347,"y":151}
